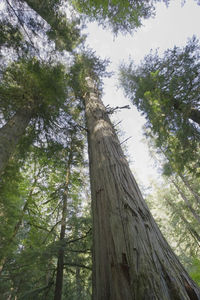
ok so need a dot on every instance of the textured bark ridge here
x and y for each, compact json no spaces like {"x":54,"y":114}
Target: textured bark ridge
{"x":10,"y":135}
{"x":131,"y":258}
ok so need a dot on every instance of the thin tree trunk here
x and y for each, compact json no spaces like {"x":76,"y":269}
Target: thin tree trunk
{"x":16,"y":229}
{"x":3,"y":259}
{"x":189,"y":227}
{"x":131,"y":258}
{"x":61,"y":253}
{"x":194,"y":193}
{"x":195,"y":115}
{"x":185,"y":199}
{"x":10,"y":135}
{"x":78,"y":284}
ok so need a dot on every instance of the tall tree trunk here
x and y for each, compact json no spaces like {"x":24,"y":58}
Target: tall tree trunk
{"x":195,"y":115}
{"x":45,"y":11}
{"x":10,"y":135}
{"x":131,"y":258}
{"x":61,"y":253}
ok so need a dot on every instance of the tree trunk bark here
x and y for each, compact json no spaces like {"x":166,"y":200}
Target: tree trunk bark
{"x":10,"y":135}
{"x":61,"y":253}
{"x":195,"y":115}
{"x":131,"y":258}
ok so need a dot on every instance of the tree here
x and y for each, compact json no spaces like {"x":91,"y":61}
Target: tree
{"x":10,"y":135}
{"x":165,"y":90}
{"x":30,"y":241}
{"x":34,"y":18}
{"x":175,"y":219}
{"x":74,"y":149}
{"x":65,"y":33}
{"x":131,"y":259}
{"x":124,"y":16}
{"x":28,"y":90}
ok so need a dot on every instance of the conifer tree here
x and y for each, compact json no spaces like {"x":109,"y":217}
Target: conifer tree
{"x":131,"y":258}
{"x":29,"y":89}
{"x":166,"y":91}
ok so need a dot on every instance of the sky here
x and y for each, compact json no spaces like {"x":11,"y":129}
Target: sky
{"x":172,"y":25}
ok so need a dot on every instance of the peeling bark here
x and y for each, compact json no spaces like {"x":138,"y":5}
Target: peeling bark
{"x":10,"y":135}
{"x":131,"y":258}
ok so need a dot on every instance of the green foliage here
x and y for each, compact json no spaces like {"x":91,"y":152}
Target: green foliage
{"x":37,"y":29}
{"x":31,"y":255}
{"x":123,"y":16}
{"x":29,"y":83}
{"x":13,"y":189}
{"x":195,"y":271}
{"x":166,"y":91}
{"x":86,"y":64}
{"x":10,"y":36}
{"x":65,"y":33}
{"x":175,"y":219}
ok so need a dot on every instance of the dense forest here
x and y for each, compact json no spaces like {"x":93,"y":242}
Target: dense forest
{"x":73,"y":221}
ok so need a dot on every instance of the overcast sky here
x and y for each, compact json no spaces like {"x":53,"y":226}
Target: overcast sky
{"x":171,"y":26}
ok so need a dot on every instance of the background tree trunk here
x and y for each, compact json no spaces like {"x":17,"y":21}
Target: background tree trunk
{"x":61,"y":253}
{"x":131,"y":258}
{"x":195,"y":116}
{"x":10,"y":135}
{"x":187,"y":184}
{"x":187,"y":202}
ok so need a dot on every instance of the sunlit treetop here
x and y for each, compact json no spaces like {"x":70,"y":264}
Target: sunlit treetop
{"x":87,"y":64}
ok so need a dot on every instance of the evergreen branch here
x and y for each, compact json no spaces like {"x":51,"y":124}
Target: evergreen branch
{"x":78,"y":239}
{"x":77,"y":265}
{"x":35,"y":292}
{"x":126,"y":140}
{"x":79,"y":251}
{"x":111,"y":110}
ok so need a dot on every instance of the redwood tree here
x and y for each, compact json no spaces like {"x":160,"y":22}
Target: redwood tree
{"x":131,"y":258}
